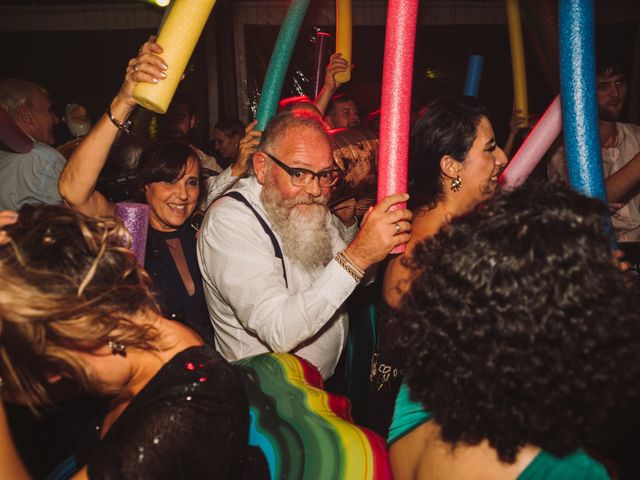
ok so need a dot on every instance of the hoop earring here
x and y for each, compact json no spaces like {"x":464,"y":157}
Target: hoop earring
{"x":456,"y":183}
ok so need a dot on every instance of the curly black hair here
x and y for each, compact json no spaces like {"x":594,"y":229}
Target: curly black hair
{"x":519,"y":327}
{"x":447,"y":126}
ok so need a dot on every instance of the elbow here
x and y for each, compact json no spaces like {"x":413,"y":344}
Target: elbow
{"x":71,"y":195}
{"x":65,"y":189}
{"x":278,"y":348}
{"x":278,"y":343}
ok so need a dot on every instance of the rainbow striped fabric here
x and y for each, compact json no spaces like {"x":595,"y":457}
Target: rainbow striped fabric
{"x":305,"y":432}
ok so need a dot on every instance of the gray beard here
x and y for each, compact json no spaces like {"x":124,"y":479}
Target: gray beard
{"x":301,"y":223}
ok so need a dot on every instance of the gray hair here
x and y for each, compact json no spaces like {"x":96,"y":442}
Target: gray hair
{"x":279,"y":125}
{"x":15,"y":93}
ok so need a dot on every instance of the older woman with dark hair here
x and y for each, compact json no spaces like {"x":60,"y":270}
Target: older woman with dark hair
{"x":169,"y":175}
{"x":522,"y":341}
{"x":76,"y":309}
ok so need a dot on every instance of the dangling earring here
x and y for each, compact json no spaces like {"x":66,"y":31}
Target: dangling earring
{"x":456,"y":183}
{"x":117,"y":348}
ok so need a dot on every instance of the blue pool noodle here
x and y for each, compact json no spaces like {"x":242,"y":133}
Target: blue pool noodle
{"x":474,"y":73}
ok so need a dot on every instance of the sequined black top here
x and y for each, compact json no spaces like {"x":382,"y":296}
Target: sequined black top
{"x":190,"y":421}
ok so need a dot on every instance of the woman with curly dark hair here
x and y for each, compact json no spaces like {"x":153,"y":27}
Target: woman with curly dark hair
{"x":522,"y":338}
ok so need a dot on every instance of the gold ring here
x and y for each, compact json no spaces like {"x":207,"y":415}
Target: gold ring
{"x":397,"y":228}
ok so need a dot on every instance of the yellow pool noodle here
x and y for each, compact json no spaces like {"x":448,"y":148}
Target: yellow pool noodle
{"x":343,"y":36}
{"x":178,"y":37}
{"x":517,"y":59}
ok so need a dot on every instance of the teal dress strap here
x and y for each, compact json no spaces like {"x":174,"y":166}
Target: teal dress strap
{"x":577,"y":466}
{"x":407,"y":415}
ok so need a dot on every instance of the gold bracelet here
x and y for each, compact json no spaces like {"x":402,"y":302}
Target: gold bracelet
{"x":352,"y":269}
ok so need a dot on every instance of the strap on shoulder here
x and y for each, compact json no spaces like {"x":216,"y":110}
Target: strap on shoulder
{"x":276,"y":246}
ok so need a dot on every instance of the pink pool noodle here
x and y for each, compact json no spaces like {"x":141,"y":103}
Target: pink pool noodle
{"x":534,"y":147}
{"x":135,"y":217}
{"x":319,"y":59}
{"x":397,"y":77}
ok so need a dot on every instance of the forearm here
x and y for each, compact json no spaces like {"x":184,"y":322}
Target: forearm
{"x":10,"y":464}
{"x":508,"y":146}
{"x":624,"y":181}
{"x":80,"y":175}
{"x":217,"y":186}
{"x":323,"y":99}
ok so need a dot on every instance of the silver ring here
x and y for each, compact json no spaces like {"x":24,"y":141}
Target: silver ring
{"x":397,"y":228}
{"x":135,"y":67}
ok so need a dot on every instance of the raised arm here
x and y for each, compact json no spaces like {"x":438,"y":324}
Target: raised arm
{"x":246,"y":149}
{"x":515,"y":125}
{"x":78,"y":179}
{"x":336,"y":64}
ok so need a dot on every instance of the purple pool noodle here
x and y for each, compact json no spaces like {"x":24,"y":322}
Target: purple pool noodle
{"x":135,"y":217}
{"x":474,"y":74}
{"x":319,"y":59}
{"x":534,"y":147}
{"x":579,"y":107}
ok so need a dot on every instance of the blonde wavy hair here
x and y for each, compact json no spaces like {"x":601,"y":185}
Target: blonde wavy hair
{"x":67,"y":283}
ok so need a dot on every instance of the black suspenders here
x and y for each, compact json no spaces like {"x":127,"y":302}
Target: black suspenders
{"x":276,"y":247}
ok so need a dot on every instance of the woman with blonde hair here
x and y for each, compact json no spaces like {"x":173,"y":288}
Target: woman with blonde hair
{"x":76,"y":312}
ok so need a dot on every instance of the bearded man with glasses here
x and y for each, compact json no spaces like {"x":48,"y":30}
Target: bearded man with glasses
{"x":277,"y":266}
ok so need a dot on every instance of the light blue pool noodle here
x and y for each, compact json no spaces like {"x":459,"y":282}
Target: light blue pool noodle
{"x":474,"y":74}
{"x":279,"y":63}
{"x":579,"y":106}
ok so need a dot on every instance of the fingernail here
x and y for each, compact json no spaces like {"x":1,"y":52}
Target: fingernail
{"x":163,"y":75}
{"x":165,"y":66}
{"x":155,"y":80}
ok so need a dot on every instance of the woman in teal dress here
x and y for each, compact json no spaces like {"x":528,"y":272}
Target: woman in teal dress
{"x":522,"y":338}
{"x":454,"y":165}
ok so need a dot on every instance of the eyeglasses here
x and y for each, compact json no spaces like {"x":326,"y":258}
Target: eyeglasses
{"x":301,"y":177}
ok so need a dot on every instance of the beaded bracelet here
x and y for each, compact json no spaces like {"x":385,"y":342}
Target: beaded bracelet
{"x":352,"y":269}
{"x":124,"y":126}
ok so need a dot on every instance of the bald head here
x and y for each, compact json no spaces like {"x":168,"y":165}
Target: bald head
{"x":282,"y":123}
{"x":298,"y":103}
